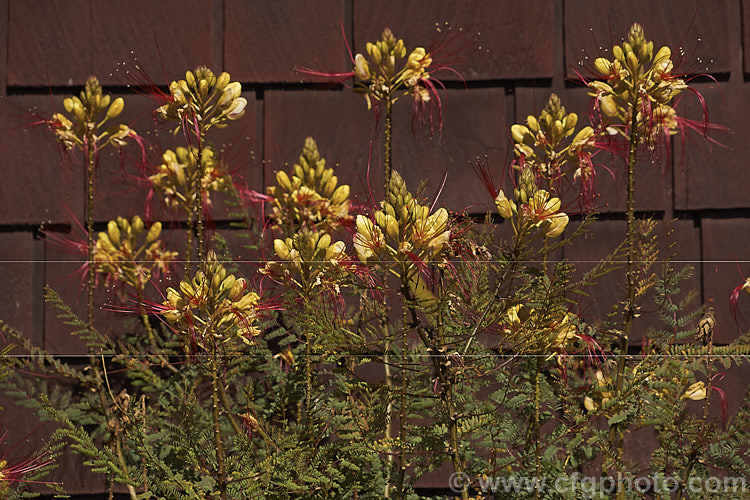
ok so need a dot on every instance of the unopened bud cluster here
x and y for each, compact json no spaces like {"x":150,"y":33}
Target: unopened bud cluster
{"x":532,"y":208}
{"x":386,"y":69}
{"x":637,"y":79}
{"x":543,"y":144}
{"x":311,"y":196}
{"x":176,"y":178}
{"x":87,"y":115}
{"x":130,"y":253}
{"x":203,"y":100}
{"x":309,"y":259}
{"x":402,"y":230}
{"x":214,"y":306}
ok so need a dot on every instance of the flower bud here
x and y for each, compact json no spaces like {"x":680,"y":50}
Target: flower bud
{"x":237,"y":110}
{"x":203,"y":87}
{"x":324,"y":242}
{"x":603,"y":66}
{"x":608,"y":106}
{"x":663,"y":55}
{"x":557,"y":225}
{"x":632,"y":63}
{"x":399,"y":50}
{"x":113,"y":232}
{"x":231,"y":92}
{"x":571,"y":121}
{"x":533,"y":124}
{"x":153,"y":233}
{"x":617,"y":52}
{"x":222,"y":81}
{"x":696,"y":391}
{"x":374,"y":52}
{"x":520,"y":134}
{"x":505,"y":207}
{"x":341,"y":194}
{"x":116,"y":108}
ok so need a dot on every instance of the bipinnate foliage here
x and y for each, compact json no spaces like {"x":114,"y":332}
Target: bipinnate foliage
{"x":379,"y":343}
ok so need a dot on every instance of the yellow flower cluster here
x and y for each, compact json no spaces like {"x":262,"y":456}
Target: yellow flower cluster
{"x":176,"y":178}
{"x":386,"y":70}
{"x":541,"y":142}
{"x":539,"y":209}
{"x":118,"y":254}
{"x":402,"y":230}
{"x":203,"y":100}
{"x":638,"y":79}
{"x":213,"y":306}
{"x":311,"y":197}
{"x":309,"y":259}
{"x":86,"y":118}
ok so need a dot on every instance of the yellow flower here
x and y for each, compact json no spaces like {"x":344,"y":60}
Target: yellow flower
{"x":696,"y":391}
{"x":505,"y":207}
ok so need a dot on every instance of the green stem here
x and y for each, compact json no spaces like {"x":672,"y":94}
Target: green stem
{"x":308,"y":378}
{"x":218,"y":439}
{"x":537,"y":424}
{"x":228,"y":409}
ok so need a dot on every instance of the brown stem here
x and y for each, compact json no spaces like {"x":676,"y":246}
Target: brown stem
{"x":616,"y":434}
{"x":695,"y":452}
{"x":90,"y":161}
{"x":189,"y":244}
{"x":442,"y":370}
{"x":387,"y":144}
{"x":198,"y":190}
{"x":90,"y":164}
